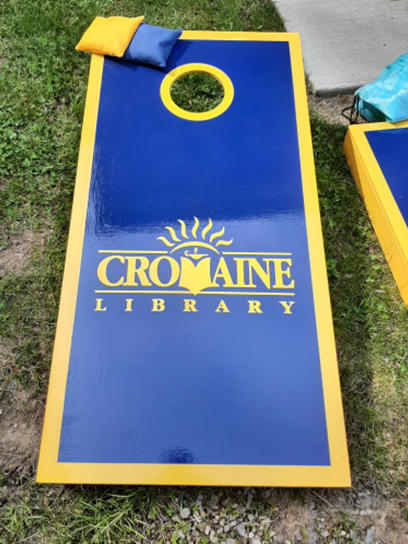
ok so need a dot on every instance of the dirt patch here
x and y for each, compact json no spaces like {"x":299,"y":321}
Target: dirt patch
{"x":331,"y":108}
{"x":338,"y":517}
{"x":20,"y":420}
{"x":16,"y":254}
{"x":21,"y":410}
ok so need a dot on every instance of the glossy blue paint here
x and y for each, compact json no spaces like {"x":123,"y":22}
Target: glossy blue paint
{"x":203,"y":387}
{"x":390,"y":148}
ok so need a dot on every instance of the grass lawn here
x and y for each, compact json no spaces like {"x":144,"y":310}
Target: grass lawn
{"x":42,"y":88}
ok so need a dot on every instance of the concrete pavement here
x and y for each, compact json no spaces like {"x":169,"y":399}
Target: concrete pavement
{"x":346,"y":43}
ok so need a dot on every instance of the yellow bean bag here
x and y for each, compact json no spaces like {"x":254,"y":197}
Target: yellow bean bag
{"x":109,"y":36}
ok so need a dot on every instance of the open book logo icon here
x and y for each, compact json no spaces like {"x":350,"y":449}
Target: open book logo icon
{"x":195,"y":272}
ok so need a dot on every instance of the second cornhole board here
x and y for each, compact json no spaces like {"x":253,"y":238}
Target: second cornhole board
{"x":378,"y":158}
{"x":194,"y":342}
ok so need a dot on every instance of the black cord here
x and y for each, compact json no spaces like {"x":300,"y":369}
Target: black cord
{"x":354,"y":114}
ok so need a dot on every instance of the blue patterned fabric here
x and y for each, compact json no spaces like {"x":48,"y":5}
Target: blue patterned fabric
{"x":152,"y":45}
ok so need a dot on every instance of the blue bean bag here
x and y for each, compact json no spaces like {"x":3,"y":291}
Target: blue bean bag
{"x":152,"y":45}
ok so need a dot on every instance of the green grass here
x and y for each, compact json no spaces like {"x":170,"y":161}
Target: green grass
{"x":197,"y":92}
{"x":370,"y":323}
{"x":42,"y":84}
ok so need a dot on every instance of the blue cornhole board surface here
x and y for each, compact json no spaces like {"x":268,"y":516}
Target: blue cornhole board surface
{"x":390,"y":150}
{"x":376,"y":154}
{"x":173,"y":396}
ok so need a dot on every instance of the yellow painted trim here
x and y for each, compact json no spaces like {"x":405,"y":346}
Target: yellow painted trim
{"x":165,"y":252}
{"x":348,"y":150}
{"x":180,"y":71}
{"x":335,"y":475}
{"x":60,"y":359}
{"x":131,"y":251}
{"x":163,"y":292}
{"x":161,"y":474}
{"x":238,"y":36}
{"x":325,"y":333}
{"x":382,"y":209}
{"x":252,"y":253}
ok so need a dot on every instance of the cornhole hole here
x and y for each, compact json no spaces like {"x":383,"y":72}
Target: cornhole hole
{"x":194,"y":342}
{"x":377,"y":156}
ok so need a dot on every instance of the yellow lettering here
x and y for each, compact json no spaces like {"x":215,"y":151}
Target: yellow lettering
{"x":158,"y":305}
{"x":241,"y":273}
{"x":132,"y":271}
{"x":101,"y":272}
{"x":287,"y":306}
{"x":254,"y":307}
{"x":222,"y":307}
{"x":263,"y":274}
{"x":189,"y":305}
{"x":223,"y":273}
{"x":129,"y":305}
{"x":99,"y":305}
{"x":253,"y":266}
{"x":279,"y":273}
{"x":153,"y":271}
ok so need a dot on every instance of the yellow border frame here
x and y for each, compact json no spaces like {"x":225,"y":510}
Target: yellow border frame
{"x":196,"y":68}
{"x":382,"y":209}
{"x":335,"y":475}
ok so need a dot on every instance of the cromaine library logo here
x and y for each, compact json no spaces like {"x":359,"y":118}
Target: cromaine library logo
{"x":196,"y":262}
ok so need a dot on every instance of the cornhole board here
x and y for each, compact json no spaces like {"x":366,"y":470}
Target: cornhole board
{"x":377,"y":156}
{"x":194,"y":342}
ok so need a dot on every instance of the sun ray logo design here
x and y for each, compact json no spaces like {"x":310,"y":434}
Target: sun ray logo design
{"x":197,"y":260}
{"x":195,"y":274}
{"x":204,"y":232}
